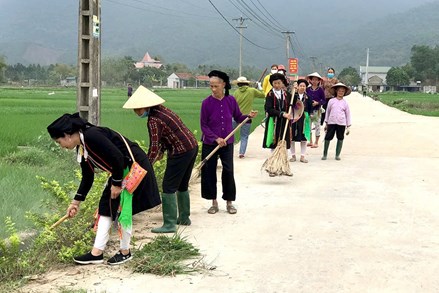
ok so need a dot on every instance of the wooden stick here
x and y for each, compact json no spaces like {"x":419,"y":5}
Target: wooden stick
{"x":201,"y":164}
{"x":59,"y":221}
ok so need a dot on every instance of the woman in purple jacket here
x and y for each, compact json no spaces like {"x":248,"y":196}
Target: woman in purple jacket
{"x":217,"y":112}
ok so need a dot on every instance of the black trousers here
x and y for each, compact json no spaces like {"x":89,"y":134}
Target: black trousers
{"x":178,"y":171}
{"x":335,"y":129}
{"x":208,"y":173}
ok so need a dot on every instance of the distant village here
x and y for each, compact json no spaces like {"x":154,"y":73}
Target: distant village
{"x":376,"y":78}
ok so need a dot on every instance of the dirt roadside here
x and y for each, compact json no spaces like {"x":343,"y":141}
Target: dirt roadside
{"x":367,"y":223}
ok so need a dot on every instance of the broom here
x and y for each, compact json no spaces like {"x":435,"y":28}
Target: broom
{"x":197,"y":170}
{"x":277,"y":164}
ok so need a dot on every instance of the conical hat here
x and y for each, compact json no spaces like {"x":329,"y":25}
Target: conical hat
{"x":143,"y":98}
{"x":333,"y":89}
{"x":297,"y":110}
{"x":314,"y":74}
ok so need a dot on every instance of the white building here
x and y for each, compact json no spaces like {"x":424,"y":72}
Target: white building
{"x":376,"y":77}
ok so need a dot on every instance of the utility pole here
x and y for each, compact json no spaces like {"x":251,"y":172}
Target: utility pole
{"x":241,"y":26}
{"x":288,"y":41}
{"x":313,"y":62}
{"x":89,"y":61}
{"x":367,"y":69}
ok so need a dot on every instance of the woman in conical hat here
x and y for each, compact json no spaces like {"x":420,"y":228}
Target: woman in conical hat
{"x":337,"y":118}
{"x":317,"y":96}
{"x":167,"y":132}
{"x":101,"y":148}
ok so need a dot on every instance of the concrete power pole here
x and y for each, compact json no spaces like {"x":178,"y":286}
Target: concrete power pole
{"x":241,"y":26}
{"x":366,"y":82}
{"x":288,"y":41}
{"x":313,"y":62}
{"x":89,"y":61}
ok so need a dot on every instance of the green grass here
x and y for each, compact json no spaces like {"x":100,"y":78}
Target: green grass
{"x":414,"y":103}
{"x":165,"y":256}
{"x":26,"y":149}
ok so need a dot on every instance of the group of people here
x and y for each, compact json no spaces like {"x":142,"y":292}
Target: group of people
{"x":102,"y":148}
{"x":315,"y":95}
{"x":99,"y":147}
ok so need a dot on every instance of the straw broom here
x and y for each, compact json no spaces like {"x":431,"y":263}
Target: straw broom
{"x":277,"y":163}
{"x":196,"y":173}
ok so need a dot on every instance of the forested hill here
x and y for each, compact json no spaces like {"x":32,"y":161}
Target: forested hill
{"x":336,"y":36}
{"x":389,"y":39}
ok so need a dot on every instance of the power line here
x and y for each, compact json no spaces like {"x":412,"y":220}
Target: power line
{"x":219,"y":12}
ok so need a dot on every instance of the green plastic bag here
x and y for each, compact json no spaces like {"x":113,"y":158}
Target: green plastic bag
{"x":126,"y":206}
{"x":270,"y":132}
{"x":307,"y":127}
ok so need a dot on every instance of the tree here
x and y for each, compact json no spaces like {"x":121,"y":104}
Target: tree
{"x":396,"y":76}
{"x":2,"y":68}
{"x":349,"y":76}
{"x":425,"y":61}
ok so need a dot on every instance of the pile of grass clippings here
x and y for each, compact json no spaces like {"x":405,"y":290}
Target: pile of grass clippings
{"x":165,"y":256}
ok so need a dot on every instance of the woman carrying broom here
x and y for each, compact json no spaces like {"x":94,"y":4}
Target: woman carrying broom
{"x":106,"y":149}
{"x":277,"y":104}
{"x":217,"y":112}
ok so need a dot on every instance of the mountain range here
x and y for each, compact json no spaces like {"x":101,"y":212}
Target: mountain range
{"x":335,"y":33}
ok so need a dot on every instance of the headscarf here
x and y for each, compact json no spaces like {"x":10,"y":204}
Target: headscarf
{"x":224,"y":77}
{"x":278,"y":76}
{"x":67,"y":123}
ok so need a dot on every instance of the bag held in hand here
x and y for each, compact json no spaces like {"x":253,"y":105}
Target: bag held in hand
{"x":135,"y":175}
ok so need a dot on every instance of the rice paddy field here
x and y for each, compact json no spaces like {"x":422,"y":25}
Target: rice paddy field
{"x":26,"y":150}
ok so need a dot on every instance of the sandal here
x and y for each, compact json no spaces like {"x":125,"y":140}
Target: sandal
{"x":314,"y":146}
{"x":303,"y":160}
{"x":213,"y":209}
{"x":272,"y":174}
{"x":231,"y":209}
{"x":293,"y":159}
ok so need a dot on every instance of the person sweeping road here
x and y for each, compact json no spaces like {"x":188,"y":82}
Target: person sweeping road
{"x":105,"y":149}
{"x":217,"y":112}
{"x":167,"y":132}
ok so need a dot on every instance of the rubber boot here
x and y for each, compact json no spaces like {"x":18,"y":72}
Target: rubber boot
{"x":325,"y":149}
{"x":184,"y":208}
{"x":338,"y":149}
{"x":169,"y":210}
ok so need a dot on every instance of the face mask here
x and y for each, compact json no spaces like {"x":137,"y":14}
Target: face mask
{"x":273,"y":71}
{"x":330,"y":75}
{"x":144,"y":115}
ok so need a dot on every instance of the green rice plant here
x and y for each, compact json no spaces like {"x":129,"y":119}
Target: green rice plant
{"x":414,"y":103}
{"x":165,"y":256}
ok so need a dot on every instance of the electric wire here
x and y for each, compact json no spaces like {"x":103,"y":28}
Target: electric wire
{"x":231,"y":25}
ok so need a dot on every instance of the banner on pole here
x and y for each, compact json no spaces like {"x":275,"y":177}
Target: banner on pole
{"x":293,"y":66}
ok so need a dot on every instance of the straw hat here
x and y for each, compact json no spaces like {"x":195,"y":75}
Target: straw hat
{"x":314,"y":74}
{"x":241,"y":79}
{"x":337,"y":85}
{"x":143,"y":98}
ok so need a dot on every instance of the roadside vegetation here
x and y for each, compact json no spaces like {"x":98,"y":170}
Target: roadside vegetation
{"x":413,"y":103}
{"x":38,"y":180}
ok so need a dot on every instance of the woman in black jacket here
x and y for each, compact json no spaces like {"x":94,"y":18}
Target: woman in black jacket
{"x":105,"y":149}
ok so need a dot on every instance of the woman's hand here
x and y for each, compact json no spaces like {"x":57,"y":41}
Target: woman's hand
{"x":73,"y":208}
{"x":115,"y":191}
{"x":253,"y":114}
{"x":221,"y":142}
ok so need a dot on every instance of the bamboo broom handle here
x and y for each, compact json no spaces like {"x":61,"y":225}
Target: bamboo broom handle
{"x":289,"y":110}
{"x":59,"y":221}
{"x":218,"y":147}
